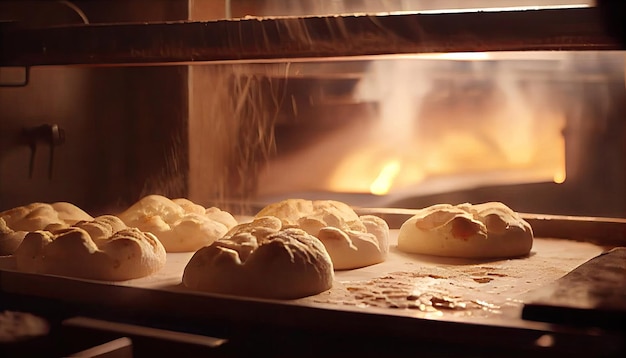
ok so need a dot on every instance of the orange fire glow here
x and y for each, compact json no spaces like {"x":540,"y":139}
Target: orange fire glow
{"x":384,"y":181}
{"x":440,"y":130}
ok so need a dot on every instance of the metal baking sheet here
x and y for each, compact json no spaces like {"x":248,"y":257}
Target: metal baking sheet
{"x":592,"y":295}
{"x":462,"y":300}
{"x":410,"y":285}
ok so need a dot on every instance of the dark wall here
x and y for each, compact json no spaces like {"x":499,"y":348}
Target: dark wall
{"x":125,"y":128}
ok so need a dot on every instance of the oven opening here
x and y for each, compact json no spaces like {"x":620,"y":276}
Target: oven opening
{"x":406,"y":131}
{"x":431,"y":126}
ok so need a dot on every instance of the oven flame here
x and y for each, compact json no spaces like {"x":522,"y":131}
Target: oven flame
{"x":383,"y":183}
{"x":438,"y":126}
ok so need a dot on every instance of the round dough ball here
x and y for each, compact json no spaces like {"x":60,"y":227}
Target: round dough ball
{"x":179,"y":224}
{"x":70,"y":213}
{"x":351,"y":249}
{"x":489,"y":230}
{"x":17,"y":222}
{"x":110,"y":255}
{"x":102,"y":228}
{"x":351,"y":241}
{"x":288,"y":211}
{"x":293,"y":212}
{"x":10,"y":240}
{"x":20,"y":328}
{"x":260,"y":259}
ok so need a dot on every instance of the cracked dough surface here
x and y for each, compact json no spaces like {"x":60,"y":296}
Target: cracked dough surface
{"x":488,"y":230}
{"x":180,"y":224}
{"x":352,"y":241}
{"x":101,"y":249}
{"x":17,"y":222}
{"x":262,"y":259}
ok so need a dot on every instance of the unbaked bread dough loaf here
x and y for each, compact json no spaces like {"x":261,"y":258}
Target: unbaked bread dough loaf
{"x":102,"y":227}
{"x":179,"y":224}
{"x":102,"y":249}
{"x":17,"y":222}
{"x":489,"y":230}
{"x":9,"y":239}
{"x":70,"y":213}
{"x":262,"y":259}
{"x":350,"y":240}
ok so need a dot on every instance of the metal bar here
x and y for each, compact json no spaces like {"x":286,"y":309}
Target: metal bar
{"x":289,"y":38}
{"x":23,"y":82}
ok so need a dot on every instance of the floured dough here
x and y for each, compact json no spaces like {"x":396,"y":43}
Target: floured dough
{"x":102,"y":249}
{"x":351,"y":241}
{"x":102,"y":227}
{"x":262,"y":259}
{"x":179,"y":224}
{"x":486,"y":230}
{"x":17,"y":222}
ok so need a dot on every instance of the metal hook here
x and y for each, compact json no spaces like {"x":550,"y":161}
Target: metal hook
{"x":51,"y":134}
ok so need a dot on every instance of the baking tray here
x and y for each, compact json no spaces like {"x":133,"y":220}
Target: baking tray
{"x":478,"y":302}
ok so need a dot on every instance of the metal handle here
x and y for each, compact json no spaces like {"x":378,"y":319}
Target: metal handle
{"x":50,"y":134}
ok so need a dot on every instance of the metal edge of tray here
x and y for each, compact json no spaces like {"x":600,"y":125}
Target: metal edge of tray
{"x":290,"y":38}
{"x":238,"y":317}
{"x":592,"y":295}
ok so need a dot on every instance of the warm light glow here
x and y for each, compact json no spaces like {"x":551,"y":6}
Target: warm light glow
{"x":384,"y":181}
{"x":456,"y":56}
{"x":439,"y":127}
{"x":499,"y":9}
{"x":559,"y":177}
{"x":561,"y":173}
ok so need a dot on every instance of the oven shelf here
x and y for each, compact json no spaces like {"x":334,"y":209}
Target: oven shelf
{"x":290,"y":38}
{"x":369,"y":304}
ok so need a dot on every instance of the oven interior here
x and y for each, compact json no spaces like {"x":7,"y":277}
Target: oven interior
{"x":540,"y":129}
